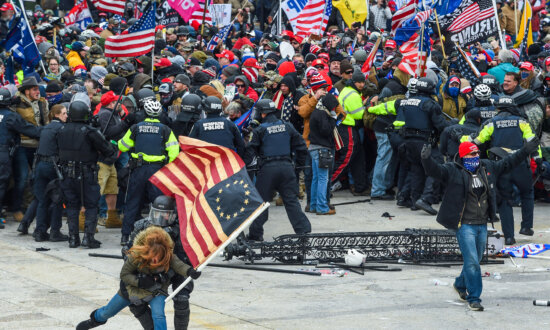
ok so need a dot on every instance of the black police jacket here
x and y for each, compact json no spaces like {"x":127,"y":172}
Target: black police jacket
{"x":421,"y":113}
{"x":456,"y":179}
{"x":449,"y":140}
{"x":47,"y":146}
{"x":219,"y":130}
{"x":82,"y":143}
{"x":12,"y":125}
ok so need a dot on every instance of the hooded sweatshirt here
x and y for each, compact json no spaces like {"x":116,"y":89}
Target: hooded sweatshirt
{"x":248,"y":91}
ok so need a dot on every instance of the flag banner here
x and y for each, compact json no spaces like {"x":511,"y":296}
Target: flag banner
{"x":524,"y":45}
{"x":402,"y":15}
{"x":139,"y":39}
{"x":352,"y":10}
{"x":524,"y":28}
{"x":523,"y":251}
{"x":116,"y":7}
{"x":219,"y":38}
{"x":370,"y":59}
{"x":20,"y":42}
{"x":79,"y":15}
{"x":166,"y":16}
{"x":467,"y":68}
{"x":470,"y":22}
{"x":307,"y":17}
{"x":196,"y":15}
{"x":214,"y":195}
{"x":184,"y":7}
{"x":221,"y":14}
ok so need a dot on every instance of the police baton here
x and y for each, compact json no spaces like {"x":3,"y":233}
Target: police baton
{"x":116,"y":106}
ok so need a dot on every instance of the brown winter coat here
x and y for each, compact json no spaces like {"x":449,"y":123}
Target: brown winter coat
{"x":306,"y":105}
{"x":508,"y":19}
{"x":30,"y":111}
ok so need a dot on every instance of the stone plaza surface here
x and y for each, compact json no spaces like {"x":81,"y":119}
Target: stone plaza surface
{"x":58,"y":288}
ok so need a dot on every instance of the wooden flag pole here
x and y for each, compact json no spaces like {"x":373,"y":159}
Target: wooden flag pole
{"x":439,"y":32}
{"x":474,"y":70}
{"x":204,"y":16}
{"x":233,"y":235}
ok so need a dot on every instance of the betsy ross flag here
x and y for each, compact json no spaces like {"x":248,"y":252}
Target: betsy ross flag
{"x":139,"y":39}
{"x":111,"y":6}
{"x":219,"y":38}
{"x":214,"y":196}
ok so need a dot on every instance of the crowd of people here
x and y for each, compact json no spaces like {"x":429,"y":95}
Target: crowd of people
{"x":81,"y":135}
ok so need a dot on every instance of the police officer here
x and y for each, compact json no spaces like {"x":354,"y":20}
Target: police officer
{"x":508,"y":129}
{"x":12,"y":125}
{"x":483,"y":102}
{"x":142,"y":96}
{"x":79,"y":145}
{"x":189,"y":113}
{"x":418,"y":120}
{"x":451,"y":135}
{"x":151,"y":145}
{"x":217,"y":129}
{"x":273,"y":142}
{"x":163,"y":214}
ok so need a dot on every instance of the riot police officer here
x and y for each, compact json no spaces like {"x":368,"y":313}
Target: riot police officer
{"x":142,"y":96}
{"x":483,"y":102}
{"x":79,"y":145}
{"x":189,"y":114}
{"x":163,"y":214}
{"x":419,"y":118}
{"x":508,"y":129}
{"x":12,"y":125}
{"x":274,"y":142}
{"x":217,"y":129}
{"x":151,"y":145}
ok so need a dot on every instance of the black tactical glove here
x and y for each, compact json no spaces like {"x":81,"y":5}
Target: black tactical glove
{"x":540,"y":165}
{"x":146,"y":281}
{"x":130,"y":119}
{"x":456,"y":134}
{"x":193,"y":273}
{"x":532,"y":145}
{"x":426,"y":151}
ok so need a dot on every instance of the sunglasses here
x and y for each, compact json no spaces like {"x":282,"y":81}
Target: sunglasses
{"x":321,"y":67}
{"x":240,"y":86}
{"x":349,"y":72}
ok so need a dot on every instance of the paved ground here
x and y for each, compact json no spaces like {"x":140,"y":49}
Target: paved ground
{"x":58,"y":288}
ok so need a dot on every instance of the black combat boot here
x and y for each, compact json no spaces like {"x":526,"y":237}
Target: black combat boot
{"x":23,"y":228}
{"x":124,"y":239}
{"x":143,"y":314}
{"x":89,"y":324}
{"x":57,"y":236}
{"x":74,"y":240}
{"x":90,"y":242}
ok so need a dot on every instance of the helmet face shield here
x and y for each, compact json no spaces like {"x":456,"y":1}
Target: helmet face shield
{"x":162,"y":218}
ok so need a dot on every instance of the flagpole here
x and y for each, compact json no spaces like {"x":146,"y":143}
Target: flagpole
{"x":279,"y":20}
{"x":233,"y":235}
{"x":419,"y":60}
{"x":515,"y":15}
{"x":439,"y":32}
{"x":204,"y":16}
{"x":498,"y":26}
{"x":29,"y":27}
{"x":474,"y":70}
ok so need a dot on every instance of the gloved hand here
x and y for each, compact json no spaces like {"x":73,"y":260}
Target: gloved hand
{"x":146,"y":281}
{"x":532,"y":145}
{"x":193,"y":273}
{"x":161,"y":278}
{"x":130,"y":119}
{"x":456,"y":134}
{"x":254,"y":123}
{"x":426,"y":151}
{"x":540,"y":165}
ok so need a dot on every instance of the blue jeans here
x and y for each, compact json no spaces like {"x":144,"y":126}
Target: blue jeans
{"x":319,"y":183}
{"x":117,"y":303}
{"x":381,"y":181}
{"x":472,"y":240}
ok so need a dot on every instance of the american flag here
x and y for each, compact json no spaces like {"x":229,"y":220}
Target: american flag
{"x":469,"y":16}
{"x":402,"y":15}
{"x":370,"y":59}
{"x":523,"y":46}
{"x":214,"y":195}
{"x":466,"y":68}
{"x":197,"y":15}
{"x":423,"y":16}
{"x":415,"y":53}
{"x":219,"y":38}
{"x":139,"y":39}
{"x":111,"y":6}
{"x":484,"y":10}
{"x":313,"y":18}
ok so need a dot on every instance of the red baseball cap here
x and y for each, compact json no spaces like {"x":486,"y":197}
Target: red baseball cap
{"x":7,"y":6}
{"x":527,"y":66}
{"x":108,"y":98}
{"x":390,"y":44}
{"x":547,"y":61}
{"x":227,"y":54}
{"x":163,"y":62}
{"x":252,"y":63}
{"x":318,"y":62}
{"x":466,"y":148}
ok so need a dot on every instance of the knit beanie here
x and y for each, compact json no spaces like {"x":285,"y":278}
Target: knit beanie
{"x":345,"y":65}
{"x":466,"y":148}
{"x":317,"y":81}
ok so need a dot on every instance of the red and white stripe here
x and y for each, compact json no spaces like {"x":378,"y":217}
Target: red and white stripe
{"x":130,"y":44}
{"x":423,"y":16}
{"x":251,"y":74}
{"x":412,"y":58}
{"x":486,"y":13}
{"x":468,"y":17}
{"x":197,"y":15}
{"x":402,"y":15}
{"x":111,"y":6}
{"x":311,"y":19}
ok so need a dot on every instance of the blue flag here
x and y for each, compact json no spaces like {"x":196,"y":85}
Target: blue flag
{"x":219,"y":37}
{"x":19,"y":41}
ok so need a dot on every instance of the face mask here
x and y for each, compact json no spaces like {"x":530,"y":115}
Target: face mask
{"x":524,"y":75}
{"x":270,"y":67}
{"x":165,"y":98}
{"x":471,"y":164}
{"x":453,"y":91}
{"x":300,"y":67}
{"x":54,"y":99}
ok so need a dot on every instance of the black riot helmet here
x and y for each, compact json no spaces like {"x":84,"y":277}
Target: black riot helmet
{"x":266,"y":106}
{"x":5,"y":97}
{"x":144,"y":94}
{"x":191,"y":103}
{"x":212,"y":104}
{"x":163,"y":211}
{"x":79,"y":112}
{"x":425,"y":85}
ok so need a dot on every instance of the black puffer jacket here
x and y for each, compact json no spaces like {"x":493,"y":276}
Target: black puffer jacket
{"x":456,"y":179}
